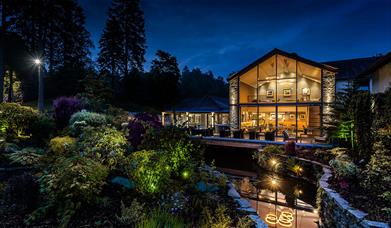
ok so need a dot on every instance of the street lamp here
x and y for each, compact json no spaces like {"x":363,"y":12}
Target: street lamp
{"x":38,"y":63}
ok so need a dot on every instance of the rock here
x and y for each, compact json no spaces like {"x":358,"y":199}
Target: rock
{"x":243,"y":203}
{"x":201,"y":186}
{"x":249,"y":210}
{"x":259,"y":223}
{"x":125,"y":182}
{"x":233,"y":193}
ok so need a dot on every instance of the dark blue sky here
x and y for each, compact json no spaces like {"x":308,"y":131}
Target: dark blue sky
{"x":225,"y":35}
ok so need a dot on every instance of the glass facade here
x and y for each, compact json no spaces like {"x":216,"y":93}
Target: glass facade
{"x":281,"y":94}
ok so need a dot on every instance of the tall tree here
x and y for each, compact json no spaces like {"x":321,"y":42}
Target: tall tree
{"x":122,"y":45}
{"x":54,"y":30}
{"x":166,"y":75}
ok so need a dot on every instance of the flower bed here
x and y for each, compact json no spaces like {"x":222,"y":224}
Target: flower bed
{"x":89,"y":173}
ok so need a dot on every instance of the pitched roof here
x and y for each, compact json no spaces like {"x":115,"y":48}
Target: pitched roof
{"x":289,"y":55}
{"x":351,"y":68}
{"x":204,"y":104}
{"x":381,"y":61}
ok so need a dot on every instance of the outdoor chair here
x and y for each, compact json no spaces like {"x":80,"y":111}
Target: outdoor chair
{"x":270,"y":135}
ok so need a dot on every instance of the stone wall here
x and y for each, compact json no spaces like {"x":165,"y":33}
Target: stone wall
{"x":233,"y":103}
{"x":336,"y":212}
{"x":328,"y":93}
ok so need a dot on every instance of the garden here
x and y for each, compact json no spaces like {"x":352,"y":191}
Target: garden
{"x":362,"y":163}
{"x":80,"y":166}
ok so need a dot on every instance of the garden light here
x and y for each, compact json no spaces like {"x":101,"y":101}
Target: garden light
{"x":185,"y":174}
{"x":37,"y":61}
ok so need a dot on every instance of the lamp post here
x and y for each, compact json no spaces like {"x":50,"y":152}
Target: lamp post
{"x":38,"y":63}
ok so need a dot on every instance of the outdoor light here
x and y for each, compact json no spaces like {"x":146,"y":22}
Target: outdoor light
{"x":37,"y":61}
{"x":274,"y":182}
{"x":185,"y":174}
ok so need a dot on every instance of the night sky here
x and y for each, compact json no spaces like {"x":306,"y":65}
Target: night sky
{"x":225,"y":35}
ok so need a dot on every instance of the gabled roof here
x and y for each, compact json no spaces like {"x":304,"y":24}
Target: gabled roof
{"x":289,"y":55}
{"x":381,"y":61}
{"x":351,"y":68}
{"x":204,"y":104}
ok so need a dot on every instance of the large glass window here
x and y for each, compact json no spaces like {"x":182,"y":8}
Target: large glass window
{"x":308,"y":83}
{"x":248,"y":86}
{"x":248,"y":117}
{"x":267,"y":118}
{"x":287,"y":120}
{"x":267,"y":81}
{"x":286,"y":79}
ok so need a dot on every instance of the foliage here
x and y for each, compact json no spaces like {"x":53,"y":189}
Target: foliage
{"x":61,"y":146}
{"x":16,"y":120}
{"x":9,"y":148}
{"x":97,"y":93}
{"x":117,"y":117}
{"x":195,"y":83}
{"x":290,"y":147}
{"x":42,"y":128}
{"x":121,"y":52}
{"x":244,"y":222}
{"x":139,"y":125}
{"x":150,"y":171}
{"x":339,"y":151}
{"x":133,"y":214}
{"x":64,"y":108}
{"x":363,"y":123}
{"x":216,"y":219}
{"x":272,"y":149}
{"x":84,"y":118}
{"x":22,"y":190}
{"x":27,"y":156}
{"x":75,"y":178}
{"x":106,"y":145}
{"x":166,"y":77}
{"x":344,"y":168}
{"x":161,"y":219}
{"x":378,"y":171}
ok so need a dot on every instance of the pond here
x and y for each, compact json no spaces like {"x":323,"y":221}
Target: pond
{"x":281,"y":201}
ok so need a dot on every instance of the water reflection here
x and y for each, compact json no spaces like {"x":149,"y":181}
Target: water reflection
{"x":281,"y":201}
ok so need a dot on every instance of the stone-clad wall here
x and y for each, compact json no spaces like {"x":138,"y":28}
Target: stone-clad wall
{"x":233,"y":103}
{"x":336,"y":212}
{"x":328,"y":93}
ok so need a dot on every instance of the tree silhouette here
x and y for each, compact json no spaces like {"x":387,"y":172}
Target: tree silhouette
{"x":122,"y":45}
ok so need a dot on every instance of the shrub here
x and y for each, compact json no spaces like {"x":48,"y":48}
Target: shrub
{"x":343,"y":167}
{"x":161,"y":219}
{"x":9,"y":148}
{"x":63,"y":108}
{"x":71,"y":182}
{"x":290,"y":147}
{"x":272,"y":149}
{"x":75,"y":178}
{"x":23,"y":191}
{"x":117,"y":116}
{"x":244,"y":222}
{"x":42,"y":128}
{"x":378,"y":170}
{"x":61,"y":146}
{"x":133,"y":214}
{"x":218,"y":219}
{"x":85,"y":118}
{"x":150,"y":171}
{"x":16,"y":120}
{"x":27,"y":156}
{"x":139,"y":125}
{"x":106,"y":145}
